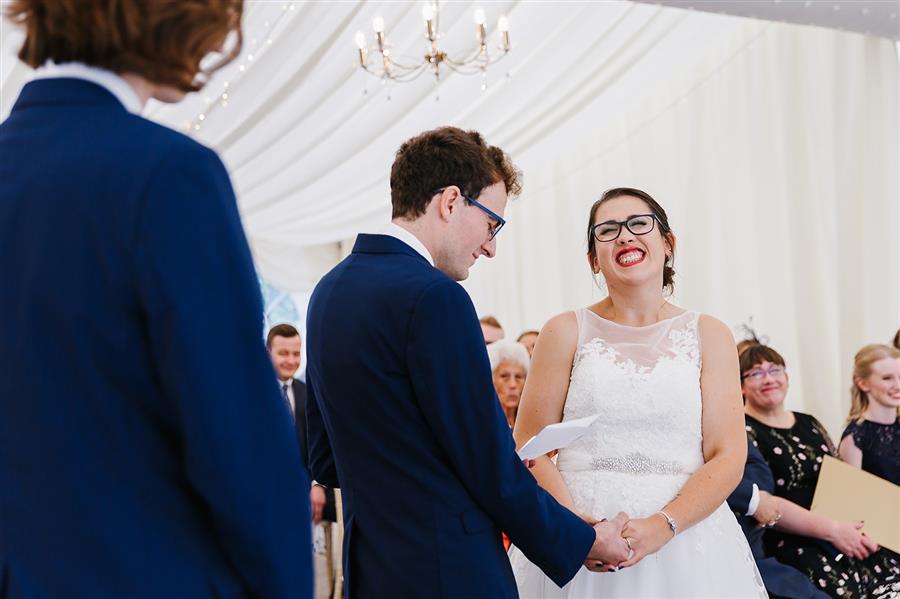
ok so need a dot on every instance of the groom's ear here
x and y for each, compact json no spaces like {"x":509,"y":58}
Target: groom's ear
{"x":448,"y":202}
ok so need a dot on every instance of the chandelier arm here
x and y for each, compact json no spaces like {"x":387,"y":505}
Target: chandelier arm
{"x":402,"y":77}
{"x":477,"y":65}
{"x":477,"y":56}
{"x":465,"y":70}
{"x":407,"y":66}
{"x":411,"y":76}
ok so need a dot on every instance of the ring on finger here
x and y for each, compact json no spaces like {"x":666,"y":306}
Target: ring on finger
{"x":628,"y":544}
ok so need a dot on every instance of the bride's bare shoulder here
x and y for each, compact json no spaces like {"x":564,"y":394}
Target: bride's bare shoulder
{"x":559,"y":334}
{"x":563,"y":324}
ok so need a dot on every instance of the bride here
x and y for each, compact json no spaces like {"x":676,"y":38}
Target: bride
{"x":669,"y":445}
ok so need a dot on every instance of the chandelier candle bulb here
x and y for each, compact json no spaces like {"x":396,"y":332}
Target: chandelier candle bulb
{"x":479,"y":16}
{"x":427,"y":12}
{"x":378,"y":24}
{"x":363,"y":52}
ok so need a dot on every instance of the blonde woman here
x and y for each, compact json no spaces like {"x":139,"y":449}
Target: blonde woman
{"x":871,"y":440}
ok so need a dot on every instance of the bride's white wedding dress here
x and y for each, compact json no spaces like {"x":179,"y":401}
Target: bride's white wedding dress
{"x":645,"y":384}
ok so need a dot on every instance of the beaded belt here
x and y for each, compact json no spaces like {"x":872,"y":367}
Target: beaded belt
{"x":633,"y":463}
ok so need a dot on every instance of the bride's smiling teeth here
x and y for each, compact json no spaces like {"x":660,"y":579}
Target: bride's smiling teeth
{"x":629,"y":256}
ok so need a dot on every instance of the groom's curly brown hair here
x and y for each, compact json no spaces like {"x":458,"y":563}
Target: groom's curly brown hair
{"x":442,"y":157}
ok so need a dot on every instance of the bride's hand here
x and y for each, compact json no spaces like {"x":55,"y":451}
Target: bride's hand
{"x":645,"y":536}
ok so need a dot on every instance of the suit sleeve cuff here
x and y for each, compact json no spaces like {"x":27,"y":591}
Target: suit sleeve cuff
{"x":754,"y":501}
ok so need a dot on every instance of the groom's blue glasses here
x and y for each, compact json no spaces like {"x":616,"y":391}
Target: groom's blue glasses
{"x":494,"y":227}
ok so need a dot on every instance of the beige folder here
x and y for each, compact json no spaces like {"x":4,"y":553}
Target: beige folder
{"x":848,"y":493}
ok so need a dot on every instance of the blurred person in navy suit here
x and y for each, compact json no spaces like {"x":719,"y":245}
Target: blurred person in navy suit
{"x":402,"y":409}
{"x":129,"y":465}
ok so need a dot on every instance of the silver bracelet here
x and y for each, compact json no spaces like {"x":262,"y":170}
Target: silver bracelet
{"x":670,"y":521}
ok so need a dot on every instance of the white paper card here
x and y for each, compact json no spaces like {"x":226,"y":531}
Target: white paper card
{"x":556,"y":436}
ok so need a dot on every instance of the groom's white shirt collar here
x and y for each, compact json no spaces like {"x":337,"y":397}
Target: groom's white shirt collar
{"x":398,"y":232}
{"x":105,"y":79}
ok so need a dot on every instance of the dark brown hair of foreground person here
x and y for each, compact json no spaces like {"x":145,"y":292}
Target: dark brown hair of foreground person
{"x":443,"y":157}
{"x":897,"y":339}
{"x":162,"y":41}
{"x":661,"y":216}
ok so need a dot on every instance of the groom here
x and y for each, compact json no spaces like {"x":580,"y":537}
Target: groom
{"x":402,"y":410}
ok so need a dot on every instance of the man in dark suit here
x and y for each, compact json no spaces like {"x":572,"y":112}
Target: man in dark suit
{"x":400,"y":387}
{"x":129,"y":465}
{"x":756,"y":509}
{"x":283,"y":343}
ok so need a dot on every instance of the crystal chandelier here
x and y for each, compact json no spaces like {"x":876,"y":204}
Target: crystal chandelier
{"x":408,"y":69}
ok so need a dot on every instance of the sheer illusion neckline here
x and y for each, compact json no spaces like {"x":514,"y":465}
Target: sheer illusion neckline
{"x":636,"y":327}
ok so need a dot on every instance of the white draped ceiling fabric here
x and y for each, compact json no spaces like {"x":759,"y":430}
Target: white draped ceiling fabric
{"x":773,"y":147}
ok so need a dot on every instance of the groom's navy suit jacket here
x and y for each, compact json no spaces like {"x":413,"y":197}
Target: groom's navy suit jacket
{"x":400,"y":389}
{"x":781,"y":580}
{"x":145,"y":451}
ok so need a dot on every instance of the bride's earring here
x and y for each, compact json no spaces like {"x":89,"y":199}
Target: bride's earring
{"x":599,"y":281}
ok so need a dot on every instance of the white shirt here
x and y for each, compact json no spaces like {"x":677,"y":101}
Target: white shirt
{"x":398,"y":232}
{"x":754,"y":501}
{"x":290,"y":392}
{"x":105,"y":79}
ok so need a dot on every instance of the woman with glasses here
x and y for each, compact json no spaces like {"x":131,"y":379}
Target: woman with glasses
{"x":836,"y":556}
{"x":668,"y":446}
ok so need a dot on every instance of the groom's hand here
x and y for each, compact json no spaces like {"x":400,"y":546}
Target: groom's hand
{"x":609,"y":548}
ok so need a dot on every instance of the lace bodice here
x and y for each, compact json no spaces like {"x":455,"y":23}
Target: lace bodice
{"x":645,"y":383}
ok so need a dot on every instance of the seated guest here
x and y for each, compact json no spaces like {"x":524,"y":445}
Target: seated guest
{"x":529,"y":339}
{"x":283,"y":343}
{"x":836,"y":556}
{"x":756,"y":510}
{"x":509,"y":365}
{"x":491,"y":330}
{"x":871,"y":440}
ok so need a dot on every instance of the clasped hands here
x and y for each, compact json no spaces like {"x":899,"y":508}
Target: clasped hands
{"x":623,"y":542}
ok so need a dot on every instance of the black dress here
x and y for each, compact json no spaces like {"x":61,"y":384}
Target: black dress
{"x":795,"y":456}
{"x":880,"y":446}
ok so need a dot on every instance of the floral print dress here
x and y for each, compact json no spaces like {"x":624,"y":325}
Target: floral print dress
{"x":795,"y":456}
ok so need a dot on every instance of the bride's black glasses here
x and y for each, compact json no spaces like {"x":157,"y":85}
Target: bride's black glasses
{"x":639,"y":224}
